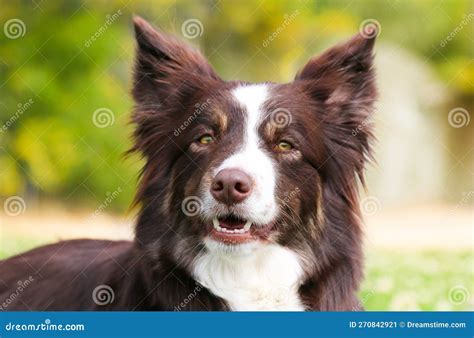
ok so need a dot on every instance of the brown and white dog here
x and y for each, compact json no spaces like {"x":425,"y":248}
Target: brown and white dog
{"x":248,"y":197}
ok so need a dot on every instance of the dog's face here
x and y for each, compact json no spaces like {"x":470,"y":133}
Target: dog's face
{"x":238,"y":165}
{"x":250,"y":147}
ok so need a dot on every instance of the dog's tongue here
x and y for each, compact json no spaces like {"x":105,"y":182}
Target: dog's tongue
{"x":231,"y":223}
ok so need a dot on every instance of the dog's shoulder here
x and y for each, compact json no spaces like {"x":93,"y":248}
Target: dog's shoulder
{"x":60,"y":276}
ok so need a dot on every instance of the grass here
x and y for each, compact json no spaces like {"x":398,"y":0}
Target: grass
{"x":11,"y":246}
{"x":413,"y":280}
{"x":426,"y":280}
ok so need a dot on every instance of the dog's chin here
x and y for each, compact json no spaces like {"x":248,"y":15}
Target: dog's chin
{"x":219,"y":247}
{"x":234,"y":233}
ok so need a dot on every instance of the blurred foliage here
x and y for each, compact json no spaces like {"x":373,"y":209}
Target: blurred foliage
{"x":54,"y":150}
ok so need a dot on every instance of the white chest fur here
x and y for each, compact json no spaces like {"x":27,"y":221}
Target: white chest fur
{"x":265,"y":277}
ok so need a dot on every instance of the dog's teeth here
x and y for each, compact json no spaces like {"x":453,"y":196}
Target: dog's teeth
{"x":247,"y":226}
{"x":215,"y":222}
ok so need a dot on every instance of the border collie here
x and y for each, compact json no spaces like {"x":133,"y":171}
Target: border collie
{"x":248,"y":197}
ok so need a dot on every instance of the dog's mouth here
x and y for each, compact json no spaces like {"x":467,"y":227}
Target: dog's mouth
{"x":232,"y":229}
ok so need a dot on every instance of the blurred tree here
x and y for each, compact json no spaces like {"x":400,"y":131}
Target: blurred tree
{"x":64,"y":79}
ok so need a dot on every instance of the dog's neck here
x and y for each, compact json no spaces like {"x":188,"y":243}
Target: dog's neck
{"x":255,"y":278}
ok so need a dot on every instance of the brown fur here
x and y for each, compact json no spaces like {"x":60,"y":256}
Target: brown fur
{"x":317,"y":186}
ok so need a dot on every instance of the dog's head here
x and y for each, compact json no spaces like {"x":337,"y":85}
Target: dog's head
{"x":237,"y":165}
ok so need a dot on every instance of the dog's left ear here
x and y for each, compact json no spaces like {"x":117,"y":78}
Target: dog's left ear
{"x":342,"y":85}
{"x":343,"y":73}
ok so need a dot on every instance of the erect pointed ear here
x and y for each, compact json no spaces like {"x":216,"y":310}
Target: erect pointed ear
{"x":165,"y":67}
{"x":341,"y":83}
{"x":343,"y":72}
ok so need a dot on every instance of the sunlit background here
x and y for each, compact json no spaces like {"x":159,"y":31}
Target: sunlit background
{"x":65,"y":71}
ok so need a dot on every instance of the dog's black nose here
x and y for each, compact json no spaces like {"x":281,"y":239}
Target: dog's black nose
{"x":231,"y":186}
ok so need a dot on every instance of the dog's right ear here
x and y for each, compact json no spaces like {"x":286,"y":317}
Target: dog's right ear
{"x":165,"y":67}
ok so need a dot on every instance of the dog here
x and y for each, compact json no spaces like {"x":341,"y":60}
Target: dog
{"x":248,"y":198}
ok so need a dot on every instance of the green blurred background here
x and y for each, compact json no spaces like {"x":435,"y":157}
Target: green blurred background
{"x":65,"y":75}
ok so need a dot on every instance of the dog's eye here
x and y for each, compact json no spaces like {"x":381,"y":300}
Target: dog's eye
{"x":206,"y":139}
{"x":284,"y":146}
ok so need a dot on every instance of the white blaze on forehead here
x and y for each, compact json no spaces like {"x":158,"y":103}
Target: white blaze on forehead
{"x":252,"y":99}
{"x":250,"y":156}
